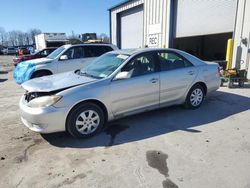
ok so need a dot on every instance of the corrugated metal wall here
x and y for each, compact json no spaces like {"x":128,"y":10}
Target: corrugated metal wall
{"x":156,"y":22}
{"x":241,"y":57}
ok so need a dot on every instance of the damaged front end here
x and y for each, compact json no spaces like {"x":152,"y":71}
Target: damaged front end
{"x":33,"y":95}
{"x":41,"y":99}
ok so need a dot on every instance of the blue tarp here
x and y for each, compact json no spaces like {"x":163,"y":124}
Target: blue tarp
{"x":23,"y":71}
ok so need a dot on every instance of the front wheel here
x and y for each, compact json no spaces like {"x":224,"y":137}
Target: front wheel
{"x":195,"y":97}
{"x":85,"y":120}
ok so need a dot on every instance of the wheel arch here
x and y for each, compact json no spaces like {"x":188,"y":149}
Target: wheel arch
{"x":41,"y":70}
{"x":203,"y":85}
{"x":94,"y":101}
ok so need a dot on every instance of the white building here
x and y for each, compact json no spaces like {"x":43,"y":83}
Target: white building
{"x":200,"y":27}
{"x":45,"y":40}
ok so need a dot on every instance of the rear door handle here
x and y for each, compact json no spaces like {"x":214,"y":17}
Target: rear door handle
{"x":191,"y":72}
{"x":153,"y":80}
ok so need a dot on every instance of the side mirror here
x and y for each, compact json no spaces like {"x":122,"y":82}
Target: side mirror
{"x":122,"y":76}
{"x":64,"y":57}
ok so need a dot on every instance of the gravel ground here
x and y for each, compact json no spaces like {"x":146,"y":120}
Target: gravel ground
{"x":171,"y":147}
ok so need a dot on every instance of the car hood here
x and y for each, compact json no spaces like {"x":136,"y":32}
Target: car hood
{"x":56,"y":82}
{"x":40,"y":61}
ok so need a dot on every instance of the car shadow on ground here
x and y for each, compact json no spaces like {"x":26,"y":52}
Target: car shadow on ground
{"x":3,"y":72}
{"x":216,"y":107}
{"x":3,"y":80}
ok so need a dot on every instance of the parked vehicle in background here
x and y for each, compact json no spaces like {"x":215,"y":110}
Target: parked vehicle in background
{"x":39,"y":54}
{"x":9,"y":51}
{"x":63,"y":59}
{"x":115,"y":85}
{"x":22,"y":51}
{"x":46,"y":40}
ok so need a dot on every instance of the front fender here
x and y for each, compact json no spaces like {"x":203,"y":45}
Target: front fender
{"x":73,"y":96}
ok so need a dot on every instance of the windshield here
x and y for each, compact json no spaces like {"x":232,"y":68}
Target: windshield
{"x":55,"y":53}
{"x":104,"y":66}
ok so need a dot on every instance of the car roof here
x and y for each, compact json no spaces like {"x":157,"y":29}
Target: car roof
{"x":131,"y":52}
{"x":141,"y":50}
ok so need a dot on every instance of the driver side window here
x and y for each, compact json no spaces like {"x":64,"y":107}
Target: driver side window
{"x":141,"y":65}
{"x":69,"y":53}
{"x":44,"y":53}
{"x":75,"y":53}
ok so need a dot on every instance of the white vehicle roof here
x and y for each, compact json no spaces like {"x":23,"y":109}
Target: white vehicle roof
{"x":90,"y":44}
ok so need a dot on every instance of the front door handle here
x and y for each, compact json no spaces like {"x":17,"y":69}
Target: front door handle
{"x":191,"y":72}
{"x":153,"y":80}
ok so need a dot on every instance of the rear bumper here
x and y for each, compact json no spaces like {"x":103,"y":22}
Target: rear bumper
{"x":43,"y":120}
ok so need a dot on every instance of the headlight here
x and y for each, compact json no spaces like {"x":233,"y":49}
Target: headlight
{"x":45,"y":101}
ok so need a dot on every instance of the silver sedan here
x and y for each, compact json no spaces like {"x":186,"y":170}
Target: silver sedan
{"x":115,"y":85}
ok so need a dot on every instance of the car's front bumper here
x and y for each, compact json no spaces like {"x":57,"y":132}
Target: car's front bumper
{"x":43,"y":120}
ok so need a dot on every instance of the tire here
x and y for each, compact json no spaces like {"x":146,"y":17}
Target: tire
{"x":230,"y":84}
{"x":241,"y":83}
{"x":195,"y":97}
{"x":79,"y":123}
{"x":221,"y":83}
{"x":40,"y":74}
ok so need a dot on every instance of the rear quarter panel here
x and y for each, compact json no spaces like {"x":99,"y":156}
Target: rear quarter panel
{"x":208,"y":73}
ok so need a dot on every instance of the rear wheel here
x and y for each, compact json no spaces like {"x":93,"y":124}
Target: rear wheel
{"x":40,"y":74}
{"x":85,"y":120}
{"x":195,"y":97}
{"x":230,"y":84}
{"x":241,"y":83}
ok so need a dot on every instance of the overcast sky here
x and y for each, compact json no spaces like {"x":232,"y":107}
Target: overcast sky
{"x":80,"y":16}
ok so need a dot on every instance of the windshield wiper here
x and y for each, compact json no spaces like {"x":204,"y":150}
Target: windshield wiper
{"x":89,"y":75}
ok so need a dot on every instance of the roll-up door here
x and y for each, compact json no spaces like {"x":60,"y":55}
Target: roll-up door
{"x":131,"y":28}
{"x":204,"y":17}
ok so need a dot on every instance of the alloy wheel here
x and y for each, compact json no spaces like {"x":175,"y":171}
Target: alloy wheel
{"x":87,"y":122}
{"x":196,"y":97}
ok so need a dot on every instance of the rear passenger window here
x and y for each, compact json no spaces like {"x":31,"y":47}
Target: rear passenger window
{"x":95,"y":51}
{"x":170,"y":61}
{"x":106,"y":49}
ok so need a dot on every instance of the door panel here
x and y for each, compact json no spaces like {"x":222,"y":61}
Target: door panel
{"x":77,"y":60}
{"x":134,"y":93}
{"x":174,"y":83}
{"x":141,"y":89}
{"x":176,"y":76}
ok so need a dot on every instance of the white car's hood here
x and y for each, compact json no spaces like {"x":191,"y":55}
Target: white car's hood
{"x":40,"y":61}
{"x":56,"y":82}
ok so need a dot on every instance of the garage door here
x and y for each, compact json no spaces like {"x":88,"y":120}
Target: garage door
{"x":204,"y":17}
{"x":131,"y":28}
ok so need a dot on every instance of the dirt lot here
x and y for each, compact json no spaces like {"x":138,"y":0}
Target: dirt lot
{"x":172,"y":147}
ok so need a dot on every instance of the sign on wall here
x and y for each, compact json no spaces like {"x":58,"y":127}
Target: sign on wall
{"x":153,"y":40}
{"x":154,"y":32}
